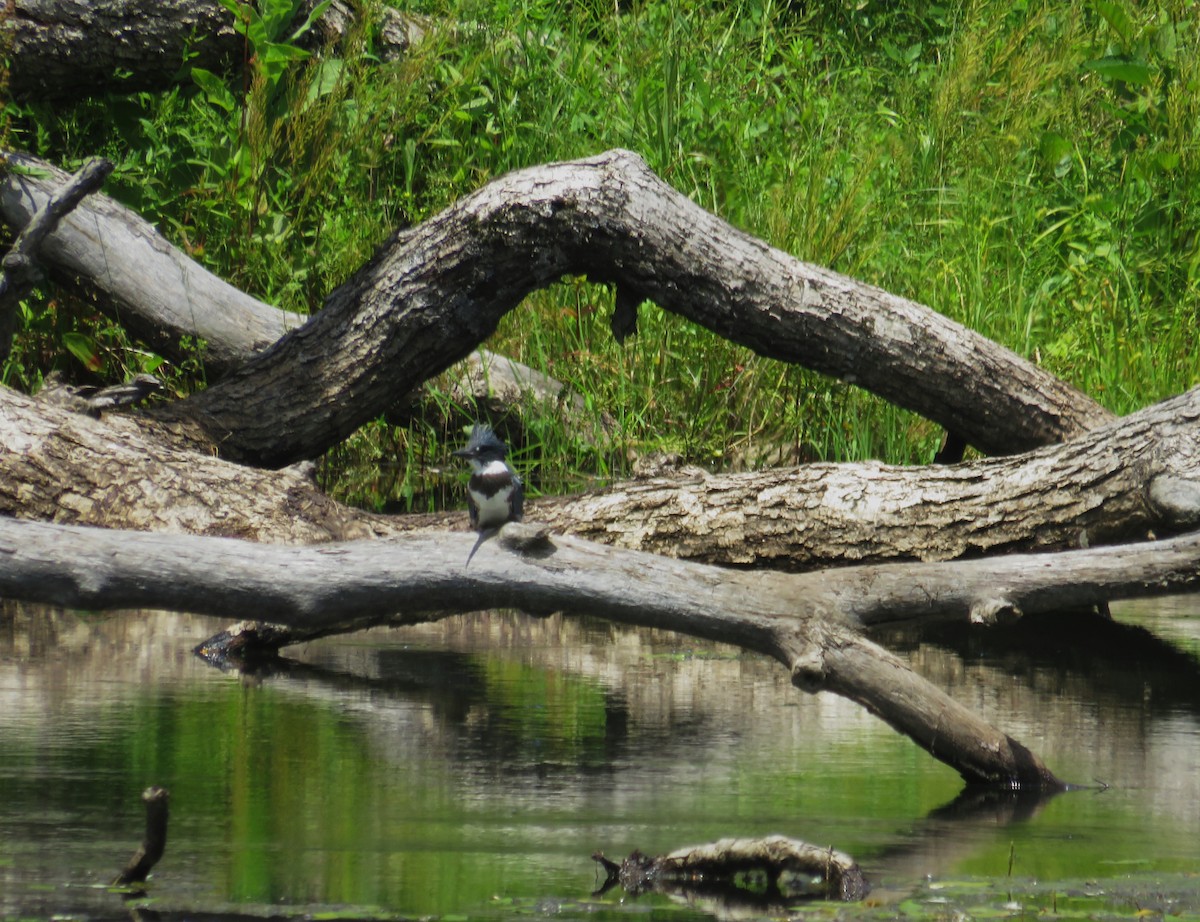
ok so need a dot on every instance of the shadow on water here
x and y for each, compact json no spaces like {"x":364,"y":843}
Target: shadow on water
{"x":473,"y":766}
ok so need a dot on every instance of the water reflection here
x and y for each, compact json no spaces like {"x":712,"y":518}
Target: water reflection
{"x":462,"y":766}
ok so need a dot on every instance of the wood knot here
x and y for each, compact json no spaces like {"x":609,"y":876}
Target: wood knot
{"x":808,"y":669}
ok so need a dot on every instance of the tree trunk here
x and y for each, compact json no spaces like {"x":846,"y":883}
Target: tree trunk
{"x":68,"y":49}
{"x":439,"y":289}
{"x":809,"y":622}
{"x":1120,"y":482}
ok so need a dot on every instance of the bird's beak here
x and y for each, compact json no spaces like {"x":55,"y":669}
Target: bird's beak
{"x":462,"y":452}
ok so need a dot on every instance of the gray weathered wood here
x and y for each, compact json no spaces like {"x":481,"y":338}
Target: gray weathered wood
{"x":439,"y":289}
{"x":19,"y":271}
{"x":388,"y":330}
{"x":125,"y":258}
{"x":1118,"y":482}
{"x":809,"y":622}
{"x":1122,"y":481}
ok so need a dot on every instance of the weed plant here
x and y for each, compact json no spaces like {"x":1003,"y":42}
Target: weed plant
{"x":1029,"y":168}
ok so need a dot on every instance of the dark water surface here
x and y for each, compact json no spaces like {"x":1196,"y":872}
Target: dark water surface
{"x":470,"y":768}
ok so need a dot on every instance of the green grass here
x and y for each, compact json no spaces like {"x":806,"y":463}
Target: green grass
{"x":1031,"y":169}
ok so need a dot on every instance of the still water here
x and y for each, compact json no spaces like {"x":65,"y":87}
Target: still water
{"x":468,"y":769}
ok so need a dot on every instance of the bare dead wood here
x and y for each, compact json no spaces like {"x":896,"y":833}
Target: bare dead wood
{"x":809,"y":622}
{"x":609,"y":217}
{"x":1121,"y":481}
{"x":60,"y":465}
{"x":1137,"y":476}
{"x":69,"y":49}
{"x":172,"y":302}
{"x":154,"y":842}
{"x":790,"y":869}
{"x":19,"y":274}
{"x":158,"y":291}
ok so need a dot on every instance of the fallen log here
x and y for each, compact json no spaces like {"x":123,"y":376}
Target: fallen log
{"x":774,"y":868}
{"x":437,"y":290}
{"x":1121,"y":482}
{"x":808,"y":622}
{"x":69,"y":49}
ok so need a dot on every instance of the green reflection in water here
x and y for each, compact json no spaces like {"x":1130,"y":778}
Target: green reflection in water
{"x":433,"y":781}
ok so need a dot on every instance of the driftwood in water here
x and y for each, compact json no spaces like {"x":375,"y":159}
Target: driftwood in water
{"x":809,"y":622}
{"x":768,"y":869}
{"x":436,"y":291}
{"x":154,"y":842}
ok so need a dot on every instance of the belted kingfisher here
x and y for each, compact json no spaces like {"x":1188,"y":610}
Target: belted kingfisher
{"x":494,"y":492}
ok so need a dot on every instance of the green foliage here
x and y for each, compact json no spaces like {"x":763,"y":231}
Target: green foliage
{"x":1029,"y":168}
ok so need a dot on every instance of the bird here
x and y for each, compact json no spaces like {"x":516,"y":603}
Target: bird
{"x":495,"y":494}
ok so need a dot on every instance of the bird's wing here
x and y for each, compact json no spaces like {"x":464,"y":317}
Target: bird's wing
{"x":517,"y":500}
{"x":473,"y":512}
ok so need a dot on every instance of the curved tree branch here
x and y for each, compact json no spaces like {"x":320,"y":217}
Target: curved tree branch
{"x":439,"y":289}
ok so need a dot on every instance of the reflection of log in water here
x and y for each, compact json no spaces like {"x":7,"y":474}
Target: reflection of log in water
{"x":155,"y":841}
{"x":1074,"y":653}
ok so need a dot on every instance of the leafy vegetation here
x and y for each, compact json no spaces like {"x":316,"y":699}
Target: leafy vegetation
{"x":1030,"y":168}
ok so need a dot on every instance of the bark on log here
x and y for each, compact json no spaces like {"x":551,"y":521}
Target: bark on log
{"x":1137,"y":476}
{"x":68,"y":49}
{"x":705,"y":868}
{"x":158,"y":291}
{"x":438,"y":290}
{"x":63,"y":466}
{"x":133,"y":273}
{"x":1123,"y":480}
{"x":19,"y":273}
{"x":808,"y":622}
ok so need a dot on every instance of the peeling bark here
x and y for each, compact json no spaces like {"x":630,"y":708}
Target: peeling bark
{"x":1137,"y":476}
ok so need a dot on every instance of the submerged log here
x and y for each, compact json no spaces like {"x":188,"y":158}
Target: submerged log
{"x":774,"y":867}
